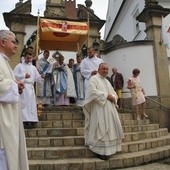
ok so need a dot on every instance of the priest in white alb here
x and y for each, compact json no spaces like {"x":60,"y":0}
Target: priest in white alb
{"x":13,"y":152}
{"x":103,"y":130}
{"x":28,"y":74}
{"x":89,"y":65}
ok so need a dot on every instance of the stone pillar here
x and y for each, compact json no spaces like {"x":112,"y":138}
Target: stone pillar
{"x":55,"y":8}
{"x":19,"y":30}
{"x":152,"y":16}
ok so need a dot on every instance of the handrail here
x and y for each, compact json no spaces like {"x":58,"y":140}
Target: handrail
{"x":157,"y":103}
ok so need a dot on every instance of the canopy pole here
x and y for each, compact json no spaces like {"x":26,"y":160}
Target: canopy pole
{"x":39,"y":105}
{"x":37,"y":40}
{"x":88,"y":23}
{"x":78,"y":47}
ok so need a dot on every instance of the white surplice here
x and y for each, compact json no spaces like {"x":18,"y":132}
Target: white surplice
{"x":87,"y":66}
{"x":3,"y":160}
{"x":64,"y":86}
{"x":12,"y":137}
{"x":79,"y":81}
{"x":103,"y":130}
{"x":29,"y":105}
{"x":44,"y":90}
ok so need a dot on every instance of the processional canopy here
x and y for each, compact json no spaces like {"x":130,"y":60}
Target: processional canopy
{"x":62,"y":35}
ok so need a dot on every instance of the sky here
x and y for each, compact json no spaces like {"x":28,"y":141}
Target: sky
{"x":8,"y":5}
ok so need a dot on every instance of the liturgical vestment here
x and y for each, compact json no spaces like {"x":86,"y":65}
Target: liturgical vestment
{"x":103,"y":130}
{"x":12,"y":137}
{"x":29,"y":104}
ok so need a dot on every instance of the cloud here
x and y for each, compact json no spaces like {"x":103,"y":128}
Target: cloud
{"x":38,"y":5}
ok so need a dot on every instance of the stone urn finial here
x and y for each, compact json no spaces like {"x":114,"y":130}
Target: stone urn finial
{"x":151,"y":2}
{"x":19,"y":3}
{"x":88,"y":3}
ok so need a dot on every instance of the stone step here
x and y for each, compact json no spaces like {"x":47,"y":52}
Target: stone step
{"x":54,"y":132}
{"x":74,"y":108}
{"x":133,"y":146}
{"x":45,"y":141}
{"x":60,"y":124}
{"x":125,"y":116}
{"x":80,"y":123}
{"x":55,"y":141}
{"x":64,"y":115}
{"x":120,"y":160}
{"x":71,"y":108}
{"x":59,"y":152}
{"x":60,"y":132}
{"x":135,"y":122}
{"x":138,"y":128}
{"x":75,"y":123}
{"x":135,"y":136}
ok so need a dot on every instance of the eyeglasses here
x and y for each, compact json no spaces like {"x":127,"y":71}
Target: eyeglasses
{"x":15,"y":42}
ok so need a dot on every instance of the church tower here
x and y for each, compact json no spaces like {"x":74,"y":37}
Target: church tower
{"x":61,"y":9}
{"x":71,"y":10}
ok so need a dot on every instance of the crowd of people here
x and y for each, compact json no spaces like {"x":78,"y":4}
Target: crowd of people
{"x":85,"y":82}
{"x":66,"y":83}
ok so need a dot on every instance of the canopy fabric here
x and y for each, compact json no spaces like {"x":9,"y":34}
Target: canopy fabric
{"x":62,"y":35}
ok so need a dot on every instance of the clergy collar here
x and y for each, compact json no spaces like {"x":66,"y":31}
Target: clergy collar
{"x":100,"y":76}
{"x":28,"y":63}
{"x":45,"y":60}
{"x":92,"y":57}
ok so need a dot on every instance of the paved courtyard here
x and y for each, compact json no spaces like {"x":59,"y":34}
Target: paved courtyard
{"x":161,"y":165}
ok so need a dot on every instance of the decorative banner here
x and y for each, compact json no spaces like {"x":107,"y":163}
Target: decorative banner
{"x":62,"y":35}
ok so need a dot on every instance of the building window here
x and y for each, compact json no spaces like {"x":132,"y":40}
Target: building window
{"x":136,"y":23}
{"x":137,"y":27}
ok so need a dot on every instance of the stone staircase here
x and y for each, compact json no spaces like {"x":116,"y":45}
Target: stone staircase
{"x":58,"y":142}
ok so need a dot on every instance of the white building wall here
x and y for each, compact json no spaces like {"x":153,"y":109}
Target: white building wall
{"x":29,"y":29}
{"x":126,"y":22}
{"x":113,"y":8}
{"x":126,"y":59}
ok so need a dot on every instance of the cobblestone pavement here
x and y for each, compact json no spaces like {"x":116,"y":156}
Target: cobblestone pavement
{"x":161,"y":165}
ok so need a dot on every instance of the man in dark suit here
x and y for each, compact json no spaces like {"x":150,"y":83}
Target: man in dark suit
{"x":117,"y":82}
